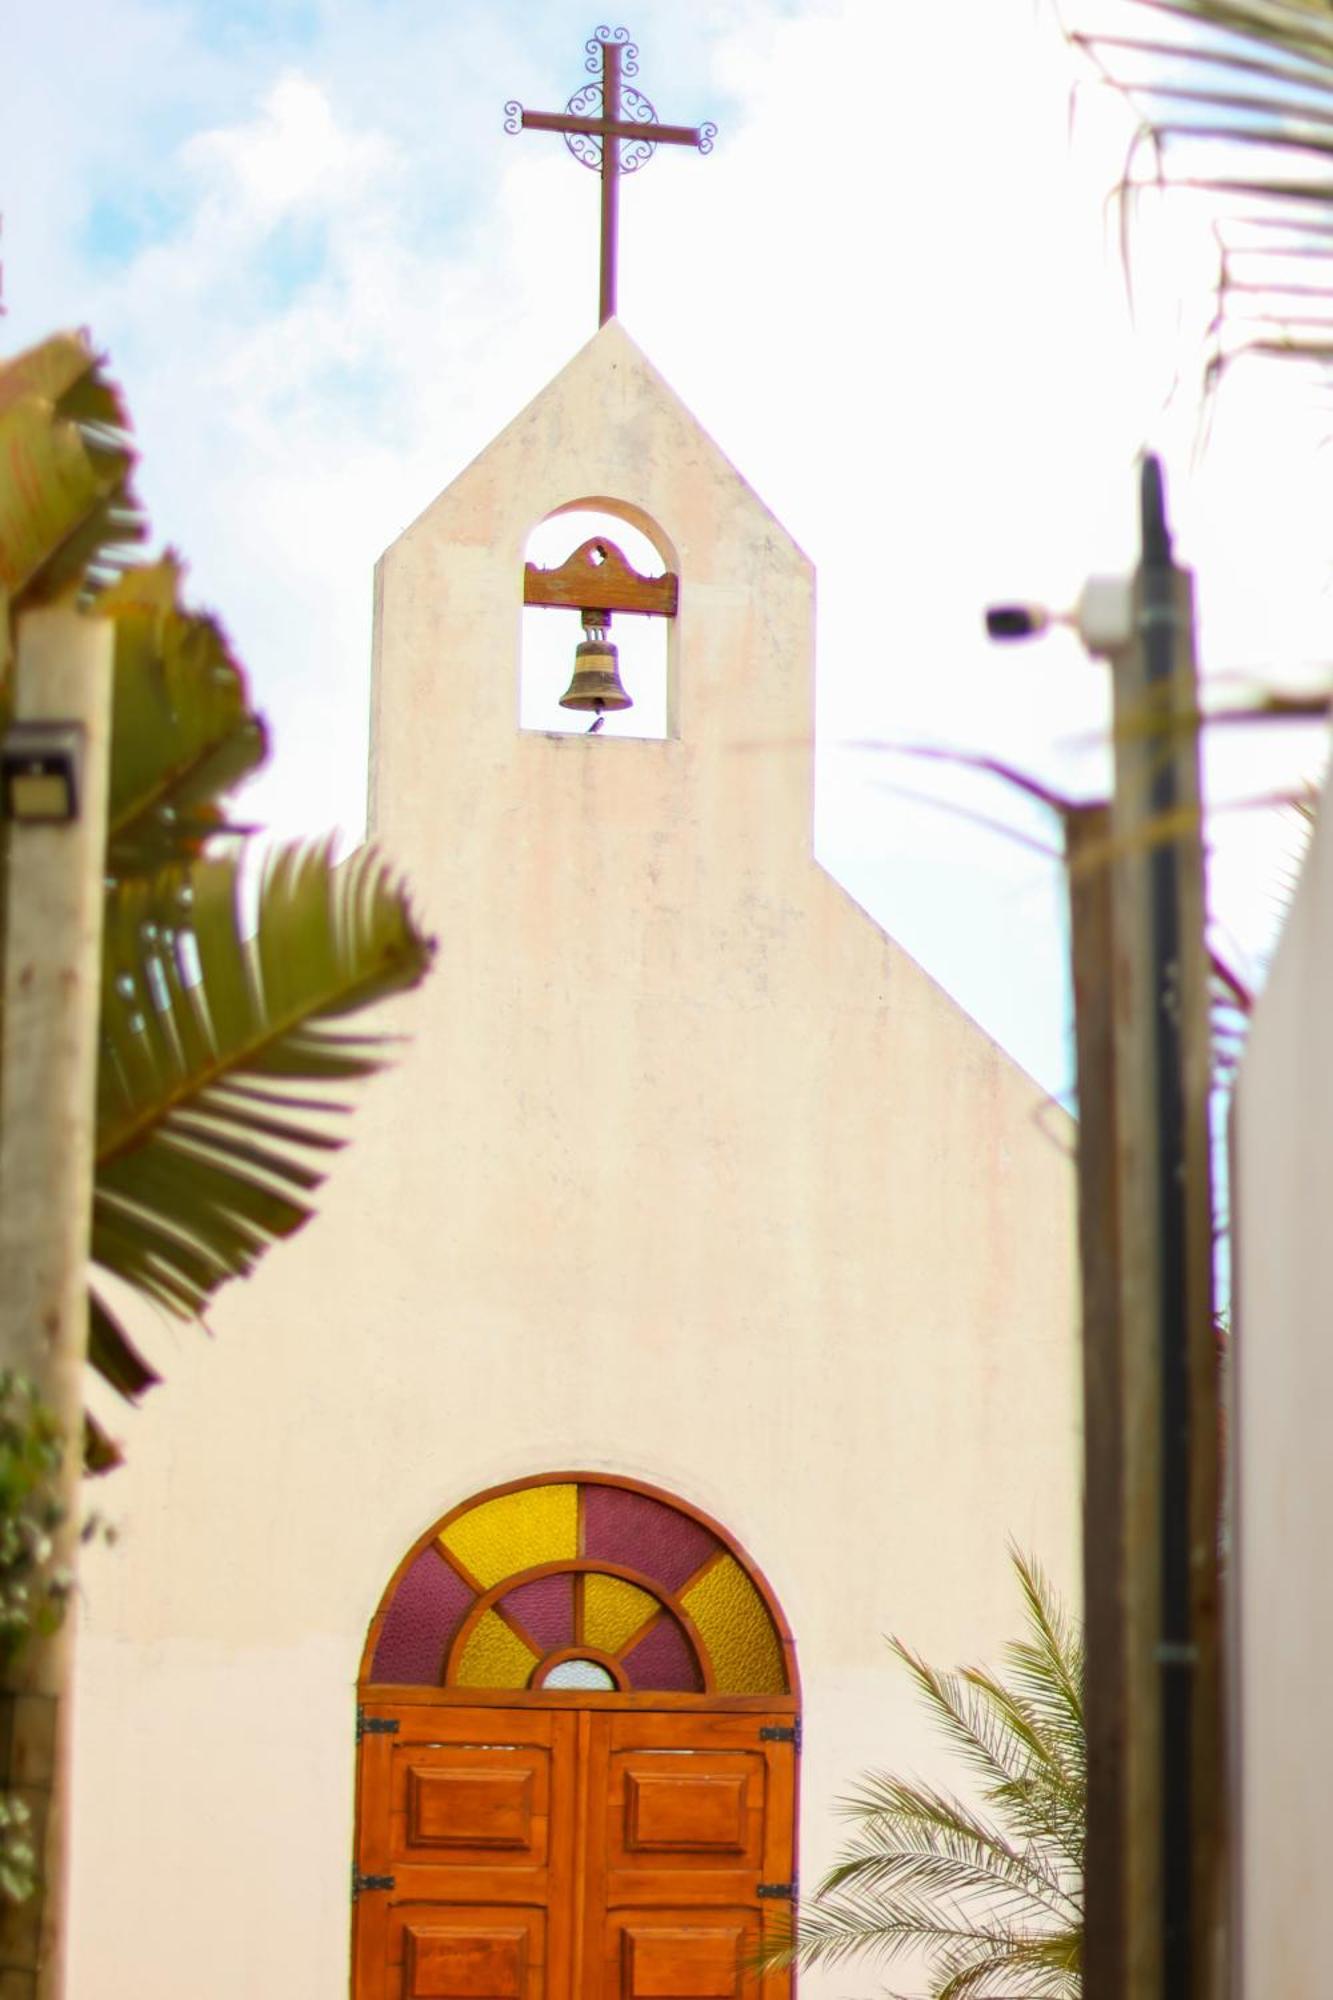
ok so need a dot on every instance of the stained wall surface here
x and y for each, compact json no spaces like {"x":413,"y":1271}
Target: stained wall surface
{"x":1282,"y":1588}
{"x":686,"y":1173}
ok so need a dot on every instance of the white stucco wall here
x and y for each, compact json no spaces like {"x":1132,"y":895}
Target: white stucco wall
{"x":687,"y":1173}
{"x":1282,"y":1193}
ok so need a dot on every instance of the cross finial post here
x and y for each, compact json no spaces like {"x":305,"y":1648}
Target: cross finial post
{"x":598,"y":121}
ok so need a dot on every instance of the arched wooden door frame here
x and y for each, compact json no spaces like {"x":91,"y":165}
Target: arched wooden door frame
{"x":660,"y":1823}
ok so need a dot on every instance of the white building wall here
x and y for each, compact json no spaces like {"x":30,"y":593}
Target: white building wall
{"x":1282,"y":1193}
{"x":687,"y":1173}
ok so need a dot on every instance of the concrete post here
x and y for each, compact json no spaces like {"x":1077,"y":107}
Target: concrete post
{"x":52,"y":947}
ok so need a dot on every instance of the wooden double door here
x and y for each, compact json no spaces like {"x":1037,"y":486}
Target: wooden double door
{"x":549,"y":1853}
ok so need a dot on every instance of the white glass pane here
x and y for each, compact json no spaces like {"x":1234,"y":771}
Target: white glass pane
{"x":579,"y":1674}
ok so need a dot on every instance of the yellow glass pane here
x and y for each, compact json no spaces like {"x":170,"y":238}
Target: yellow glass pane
{"x":613,"y":1611}
{"x":734,"y":1625}
{"x":494,"y":1657}
{"x":538,"y":1524}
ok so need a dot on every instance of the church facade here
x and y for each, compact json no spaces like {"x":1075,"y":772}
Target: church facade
{"x":500,"y":1600}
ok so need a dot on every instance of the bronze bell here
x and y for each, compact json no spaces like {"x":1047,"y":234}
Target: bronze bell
{"x":596,"y":683}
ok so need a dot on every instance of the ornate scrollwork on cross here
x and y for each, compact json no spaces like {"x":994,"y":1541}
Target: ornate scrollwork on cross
{"x":615,"y":37}
{"x":587,"y":146}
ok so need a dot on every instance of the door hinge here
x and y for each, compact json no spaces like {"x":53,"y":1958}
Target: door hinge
{"x":778,"y":1892}
{"x":781,"y":1732}
{"x":360,"y":1882}
{"x":375,"y":1725}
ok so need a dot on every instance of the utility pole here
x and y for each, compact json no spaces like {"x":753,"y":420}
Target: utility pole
{"x":1174,"y":1801}
{"x":54,"y":763}
{"x":1156,"y":1801}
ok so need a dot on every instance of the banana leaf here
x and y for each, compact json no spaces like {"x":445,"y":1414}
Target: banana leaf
{"x":67,"y":514}
{"x":183,"y":733}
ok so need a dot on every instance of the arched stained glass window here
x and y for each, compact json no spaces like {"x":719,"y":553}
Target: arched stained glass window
{"x":580,"y":1582}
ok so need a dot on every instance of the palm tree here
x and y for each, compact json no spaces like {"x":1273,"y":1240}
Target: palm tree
{"x":990,"y":1896}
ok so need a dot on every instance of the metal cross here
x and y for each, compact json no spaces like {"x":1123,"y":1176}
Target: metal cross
{"x":598,"y":119}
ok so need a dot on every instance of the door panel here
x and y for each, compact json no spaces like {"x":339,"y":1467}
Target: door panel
{"x":463,"y":1805}
{"x":476,"y":1954}
{"x":684,"y":1812}
{"x":530,"y":1854}
{"x":673,"y":1955}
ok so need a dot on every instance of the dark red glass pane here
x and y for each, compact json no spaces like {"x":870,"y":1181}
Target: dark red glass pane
{"x":427,"y":1609}
{"x":545,"y":1610}
{"x":643,"y":1534}
{"x":664,"y":1661}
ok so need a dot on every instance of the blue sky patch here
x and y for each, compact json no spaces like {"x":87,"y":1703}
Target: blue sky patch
{"x":119,"y":227}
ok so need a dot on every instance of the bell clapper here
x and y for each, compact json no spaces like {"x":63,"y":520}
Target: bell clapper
{"x":593,"y":727}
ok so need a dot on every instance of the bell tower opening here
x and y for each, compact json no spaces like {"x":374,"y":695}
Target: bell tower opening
{"x":582,"y":677}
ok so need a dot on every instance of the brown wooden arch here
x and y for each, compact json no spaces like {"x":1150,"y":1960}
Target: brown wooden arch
{"x":719,"y":1552}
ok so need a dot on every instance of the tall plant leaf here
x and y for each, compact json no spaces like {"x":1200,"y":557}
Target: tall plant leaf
{"x":1234,"y":103}
{"x":220,"y":1072}
{"x":219,"y":1083}
{"x":183,"y":733}
{"x":67,"y":515}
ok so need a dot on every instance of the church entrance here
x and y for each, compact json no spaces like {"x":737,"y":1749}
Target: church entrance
{"x":577,"y":1743}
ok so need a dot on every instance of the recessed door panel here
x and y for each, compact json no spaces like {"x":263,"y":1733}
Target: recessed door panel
{"x":672,"y":1811}
{"x":674,"y":1955}
{"x":685,"y":1809}
{"x":442,"y":1953}
{"x":460,"y":1803}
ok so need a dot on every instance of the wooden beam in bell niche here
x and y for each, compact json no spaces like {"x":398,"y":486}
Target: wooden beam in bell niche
{"x":600,"y":576}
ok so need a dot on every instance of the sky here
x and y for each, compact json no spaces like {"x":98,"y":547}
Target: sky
{"x":893,"y":293}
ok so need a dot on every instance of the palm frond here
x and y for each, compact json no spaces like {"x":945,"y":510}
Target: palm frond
{"x":999,"y":1748}
{"x":183,"y":732}
{"x":1014,"y":1968}
{"x":1234,"y":103}
{"x":961,"y":1947}
{"x":206,"y":1153}
{"x":896,"y":1821}
{"x":67,"y":515}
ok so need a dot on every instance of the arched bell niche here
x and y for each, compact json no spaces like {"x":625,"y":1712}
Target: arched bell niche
{"x":646,"y":645}
{"x":580,"y":1583}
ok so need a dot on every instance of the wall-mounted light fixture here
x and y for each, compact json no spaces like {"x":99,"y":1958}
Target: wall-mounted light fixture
{"x":41,"y":769}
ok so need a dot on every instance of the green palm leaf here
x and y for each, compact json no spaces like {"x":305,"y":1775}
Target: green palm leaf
{"x":217,"y":1090}
{"x":902,"y":1827}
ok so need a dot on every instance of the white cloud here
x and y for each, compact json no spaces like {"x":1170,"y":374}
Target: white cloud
{"x":293,"y":159}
